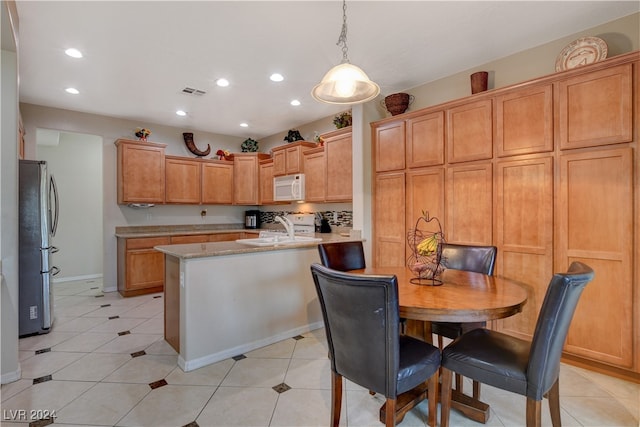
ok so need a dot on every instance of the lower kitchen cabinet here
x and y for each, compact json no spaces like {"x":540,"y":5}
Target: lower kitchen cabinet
{"x":140,"y":267}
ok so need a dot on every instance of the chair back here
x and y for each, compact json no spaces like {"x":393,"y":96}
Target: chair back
{"x":361,"y":322}
{"x":342,"y":256}
{"x":478,"y":259}
{"x":552,"y":327}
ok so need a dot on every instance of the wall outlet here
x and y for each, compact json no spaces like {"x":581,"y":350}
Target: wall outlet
{"x":335,"y":216}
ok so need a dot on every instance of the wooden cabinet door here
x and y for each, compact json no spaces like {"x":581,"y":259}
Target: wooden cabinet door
{"x":265,"y":174}
{"x":245,"y":178}
{"x":140,"y":172}
{"x":595,"y":222}
{"x":293,"y":160}
{"x":339,"y":165}
{"x":315,"y":175}
{"x":524,"y":121}
{"x":279,"y":163}
{"x":140,"y":267}
{"x":182,"y":180}
{"x":469,"y":132}
{"x":217,"y":182}
{"x":389,"y":239}
{"x":425,"y":140}
{"x":469,"y":204}
{"x":596,"y":108}
{"x":425,"y":193}
{"x":389,"y":146}
{"x":524,"y":234}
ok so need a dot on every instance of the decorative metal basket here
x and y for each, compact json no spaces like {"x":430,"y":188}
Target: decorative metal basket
{"x":425,"y":241}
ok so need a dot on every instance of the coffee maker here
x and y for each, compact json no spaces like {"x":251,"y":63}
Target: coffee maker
{"x":252,"y":219}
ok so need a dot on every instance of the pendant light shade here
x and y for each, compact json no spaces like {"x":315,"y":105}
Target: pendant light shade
{"x":345,"y":83}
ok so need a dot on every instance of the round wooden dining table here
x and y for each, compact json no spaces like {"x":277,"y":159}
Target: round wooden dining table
{"x":462,"y":296}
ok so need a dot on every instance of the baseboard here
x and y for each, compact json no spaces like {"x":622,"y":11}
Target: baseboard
{"x":190,"y":365}
{"x":77,"y":278}
{"x":10,"y":377}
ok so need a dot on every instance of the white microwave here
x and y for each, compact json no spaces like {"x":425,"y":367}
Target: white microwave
{"x":288,"y":188}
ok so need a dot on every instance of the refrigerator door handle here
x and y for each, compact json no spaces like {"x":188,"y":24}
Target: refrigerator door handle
{"x":53,"y":190}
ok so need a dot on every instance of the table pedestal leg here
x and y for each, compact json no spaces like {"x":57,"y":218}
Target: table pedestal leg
{"x":406,"y":402}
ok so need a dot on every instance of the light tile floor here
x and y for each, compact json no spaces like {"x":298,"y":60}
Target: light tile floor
{"x":106,"y":364}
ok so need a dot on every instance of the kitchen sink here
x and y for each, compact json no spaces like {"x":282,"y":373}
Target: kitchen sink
{"x":278,"y":240}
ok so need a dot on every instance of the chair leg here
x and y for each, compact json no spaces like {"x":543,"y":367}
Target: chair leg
{"x":445,"y":397}
{"x":476,"y":390}
{"x":390,"y":415}
{"x":554,"y":404}
{"x":336,"y":397}
{"x":534,"y":418}
{"x":432,"y":395}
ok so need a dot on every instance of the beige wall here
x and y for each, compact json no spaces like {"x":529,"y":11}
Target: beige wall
{"x":621,"y":36}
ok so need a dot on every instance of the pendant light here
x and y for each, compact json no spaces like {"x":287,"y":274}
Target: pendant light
{"x":345,"y":83}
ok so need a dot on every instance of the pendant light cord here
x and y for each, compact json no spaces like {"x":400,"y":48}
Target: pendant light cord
{"x":342,"y":40}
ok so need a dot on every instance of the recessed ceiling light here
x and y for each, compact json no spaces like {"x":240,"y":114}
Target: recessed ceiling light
{"x":295,"y":102}
{"x":222,"y":82}
{"x":181,"y":113}
{"x":276,"y":77}
{"x":244,"y":125}
{"x":74,"y":53}
{"x":72,"y":90}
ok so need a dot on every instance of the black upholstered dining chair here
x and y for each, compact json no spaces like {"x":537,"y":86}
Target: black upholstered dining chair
{"x":342,"y":256}
{"x":527,"y":368}
{"x":360,"y":315}
{"x":479,"y":259}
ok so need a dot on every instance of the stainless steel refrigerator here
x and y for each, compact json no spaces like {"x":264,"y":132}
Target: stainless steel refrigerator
{"x":38,"y":220}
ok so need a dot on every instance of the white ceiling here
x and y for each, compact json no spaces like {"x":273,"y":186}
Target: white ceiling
{"x":139,"y":55}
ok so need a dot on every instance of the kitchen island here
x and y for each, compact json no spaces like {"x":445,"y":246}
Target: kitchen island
{"x":223,"y":299}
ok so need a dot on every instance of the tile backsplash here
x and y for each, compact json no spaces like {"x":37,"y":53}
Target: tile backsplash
{"x":336,"y":218}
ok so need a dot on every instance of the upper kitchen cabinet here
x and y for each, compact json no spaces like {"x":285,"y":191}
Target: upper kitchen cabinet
{"x":265,"y":174}
{"x":182,"y":180}
{"x":469,"y":131}
{"x":246,"y":185}
{"x":287,"y":159}
{"x":524,"y":121}
{"x":388,"y":146}
{"x":596,"y":108}
{"x":425,"y":140}
{"x":339,"y":165}
{"x":140,"y":170}
{"x":217,"y":182}
{"x":315,"y":171}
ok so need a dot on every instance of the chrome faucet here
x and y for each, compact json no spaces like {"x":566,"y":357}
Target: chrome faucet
{"x":288,"y":225}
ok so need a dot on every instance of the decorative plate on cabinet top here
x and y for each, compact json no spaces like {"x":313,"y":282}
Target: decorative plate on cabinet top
{"x":584,"y":51}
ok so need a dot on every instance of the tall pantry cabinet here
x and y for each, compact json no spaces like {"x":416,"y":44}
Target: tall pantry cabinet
{"x":547,"y":171}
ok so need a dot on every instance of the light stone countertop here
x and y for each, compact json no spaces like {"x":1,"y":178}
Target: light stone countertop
{"x":203,"y":250}
{"x":173,"y":230}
